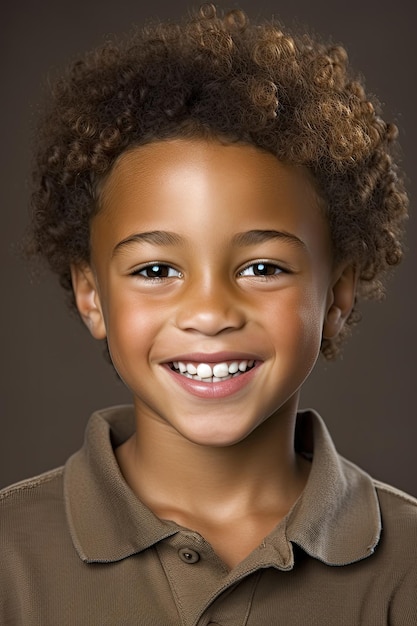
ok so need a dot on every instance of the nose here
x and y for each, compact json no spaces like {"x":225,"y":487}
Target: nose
{"x":211,"y":308}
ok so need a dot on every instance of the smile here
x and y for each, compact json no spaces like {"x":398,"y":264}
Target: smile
{"x":214,"y":373}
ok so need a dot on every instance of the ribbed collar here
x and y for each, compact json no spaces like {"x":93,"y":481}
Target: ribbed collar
{"x":336,"y":519}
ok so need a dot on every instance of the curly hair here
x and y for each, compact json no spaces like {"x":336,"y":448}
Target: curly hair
{"x":218,"y":75}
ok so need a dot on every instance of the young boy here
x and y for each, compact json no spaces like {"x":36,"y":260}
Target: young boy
{"x":216,"y":196}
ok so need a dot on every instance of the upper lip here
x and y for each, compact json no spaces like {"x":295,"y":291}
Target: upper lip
{"x":214,"y":357}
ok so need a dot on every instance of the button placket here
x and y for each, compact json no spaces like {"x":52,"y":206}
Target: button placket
{"x":195,"y":575}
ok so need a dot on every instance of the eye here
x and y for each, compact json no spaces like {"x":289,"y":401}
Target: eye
{"x":261,"y":268}
{"x":157,"y":271}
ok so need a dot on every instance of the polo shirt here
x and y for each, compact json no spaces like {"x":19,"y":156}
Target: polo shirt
{"x":78,"y":548}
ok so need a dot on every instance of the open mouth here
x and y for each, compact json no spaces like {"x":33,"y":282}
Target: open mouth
{"x":212,"y":373}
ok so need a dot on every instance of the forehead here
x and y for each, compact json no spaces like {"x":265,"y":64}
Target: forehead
{"x":202,"y":160}
{"x":200,"y":185}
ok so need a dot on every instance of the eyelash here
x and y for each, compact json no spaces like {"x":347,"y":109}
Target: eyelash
{"x":173,"y":273}
{"x":277,"y":270}
{"x":152,"y":267}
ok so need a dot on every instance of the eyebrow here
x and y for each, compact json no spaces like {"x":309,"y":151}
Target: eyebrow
{"x":252,"y":237}
{"x":247,"y":238}
{"x":155,"y":237}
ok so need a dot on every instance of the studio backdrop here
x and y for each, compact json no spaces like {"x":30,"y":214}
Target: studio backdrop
{"x":54,"y":374}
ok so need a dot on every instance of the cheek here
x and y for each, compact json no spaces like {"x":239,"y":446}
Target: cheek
{"x":297,"y":327}
{"x":131,"y":330}
{"x":310,"y":334}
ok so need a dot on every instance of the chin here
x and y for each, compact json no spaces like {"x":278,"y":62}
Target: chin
{"x":216,"y":439}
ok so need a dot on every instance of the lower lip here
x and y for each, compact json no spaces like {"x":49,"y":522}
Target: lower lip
{"x":217,"y":390}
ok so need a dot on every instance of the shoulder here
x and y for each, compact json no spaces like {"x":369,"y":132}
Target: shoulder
{"x":30,"y":488}
{"x":398,"y":541}
{"x":393,"y":494}
{"x":398,"y":509}
{"x":31,"y":503}
{"x":397,"y":570}
{"x":32,"y":524}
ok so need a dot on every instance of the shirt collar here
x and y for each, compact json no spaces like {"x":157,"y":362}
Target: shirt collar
{"x":106,"y":520}
{"x":336,"y":519}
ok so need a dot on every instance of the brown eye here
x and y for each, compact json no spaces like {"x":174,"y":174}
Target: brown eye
{"x":261,"y":269}
{"x":264,"y":269}
{"x":157,"y":271}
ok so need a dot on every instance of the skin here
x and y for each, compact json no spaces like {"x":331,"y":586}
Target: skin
{"x":202,"y":290}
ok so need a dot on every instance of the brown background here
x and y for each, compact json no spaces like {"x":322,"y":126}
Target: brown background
{"x":53,"y":373}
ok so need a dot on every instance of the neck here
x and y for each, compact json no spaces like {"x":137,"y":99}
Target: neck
{"x":261,"y":473}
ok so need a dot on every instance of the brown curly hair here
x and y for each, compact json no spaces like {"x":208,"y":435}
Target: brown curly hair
{"x":219,"y":75}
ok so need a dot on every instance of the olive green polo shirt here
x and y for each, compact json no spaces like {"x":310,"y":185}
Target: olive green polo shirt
{"x":78,"y":548}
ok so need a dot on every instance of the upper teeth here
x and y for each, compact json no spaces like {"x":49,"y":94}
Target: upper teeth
{"x":219,"y":370}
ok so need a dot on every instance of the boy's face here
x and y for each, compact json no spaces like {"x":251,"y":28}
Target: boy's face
{"x":212,"y":254}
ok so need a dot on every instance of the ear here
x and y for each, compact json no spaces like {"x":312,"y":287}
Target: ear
{"x":87,"y":299}
{"x":340,"y":301}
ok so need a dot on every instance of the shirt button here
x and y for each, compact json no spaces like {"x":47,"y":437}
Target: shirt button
{"x":188,"y":556}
